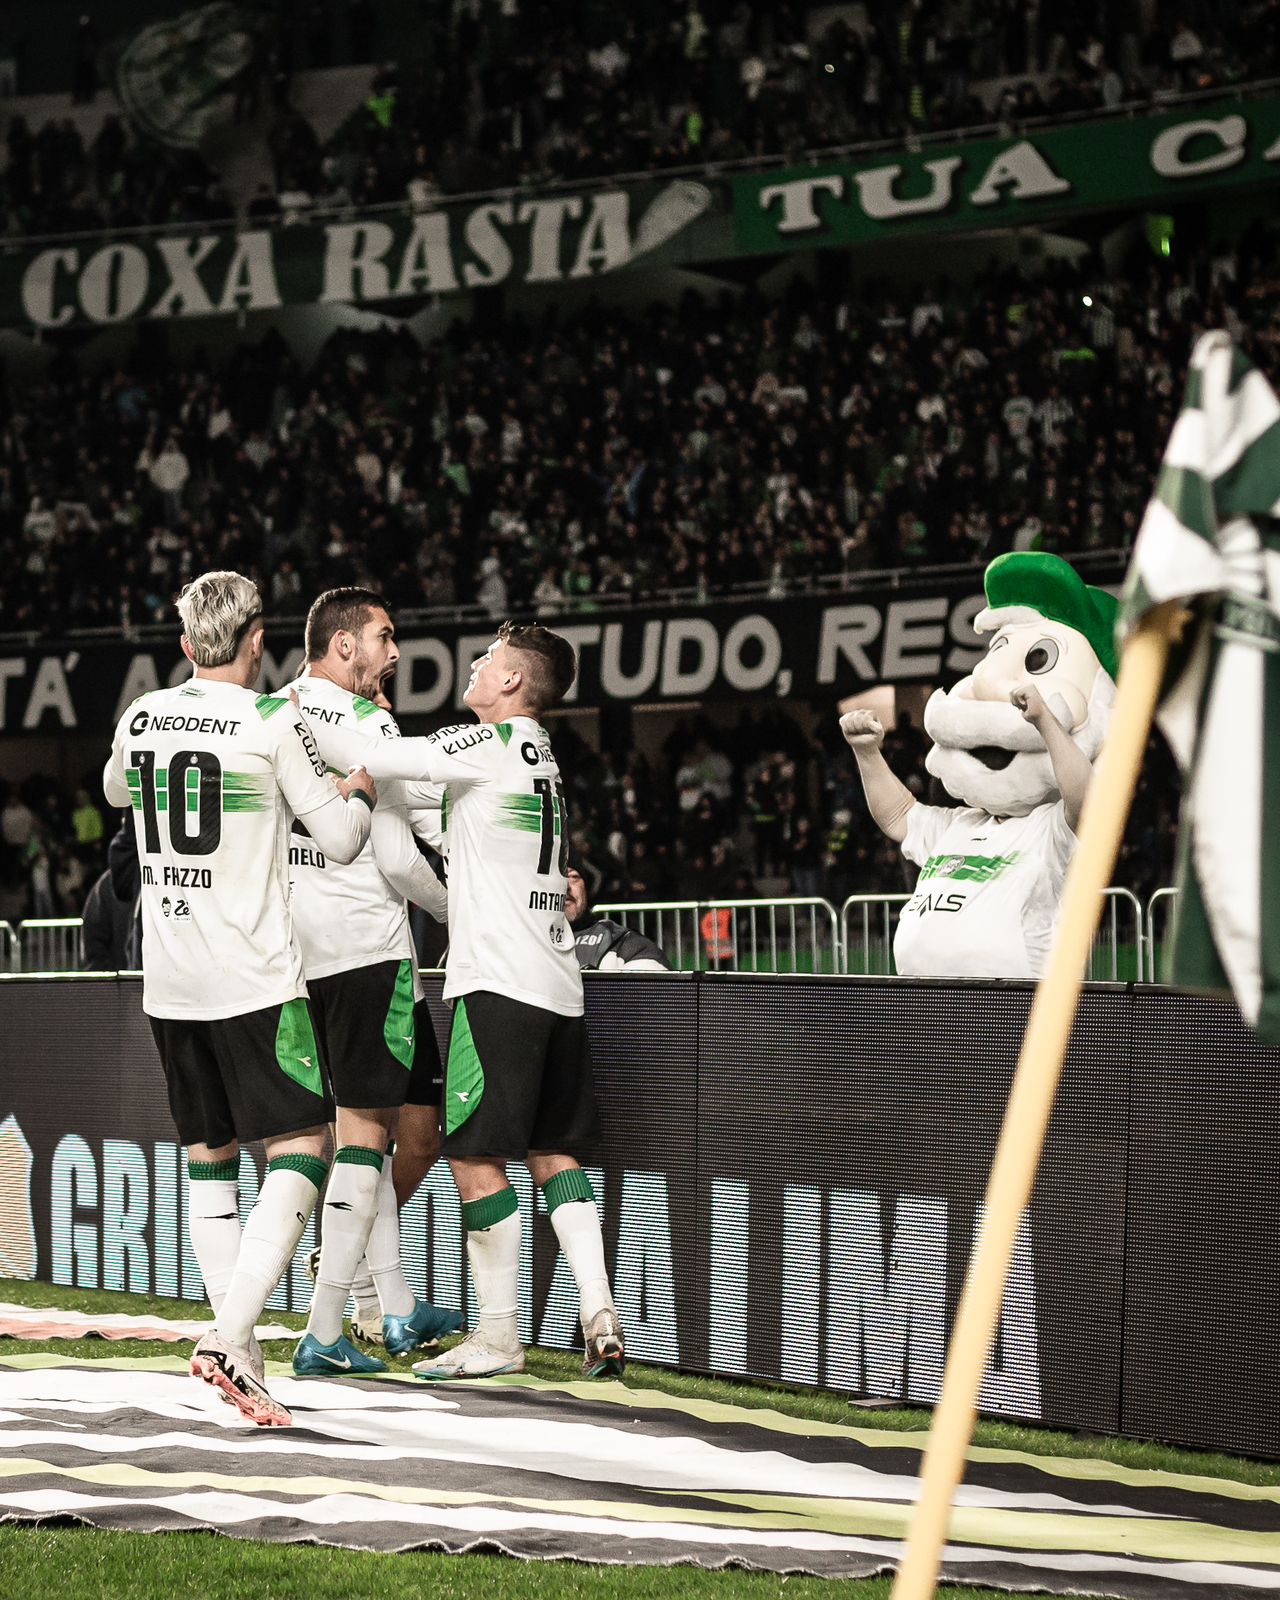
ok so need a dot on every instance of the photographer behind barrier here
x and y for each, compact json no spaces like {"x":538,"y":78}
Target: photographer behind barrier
{"x":602,"y":945}
{"x":1014,"y":742}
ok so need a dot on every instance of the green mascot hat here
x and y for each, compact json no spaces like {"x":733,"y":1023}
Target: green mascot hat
{"x":1034,"y":581}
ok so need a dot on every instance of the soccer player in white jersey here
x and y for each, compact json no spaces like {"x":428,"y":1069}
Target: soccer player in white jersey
{"x":215,"y":776}
{"x":362,"y":979}
{"x":518,"y":1084}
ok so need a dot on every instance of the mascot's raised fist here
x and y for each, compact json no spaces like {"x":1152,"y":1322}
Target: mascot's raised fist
{"x":862,"y":729}
{"x":1030,"y":702}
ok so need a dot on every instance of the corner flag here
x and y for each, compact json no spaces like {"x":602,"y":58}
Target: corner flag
{"x":1210,"y":537}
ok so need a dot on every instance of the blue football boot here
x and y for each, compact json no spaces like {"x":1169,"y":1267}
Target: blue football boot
{"x":312,"y":1359}
{"x":422,"y":1329}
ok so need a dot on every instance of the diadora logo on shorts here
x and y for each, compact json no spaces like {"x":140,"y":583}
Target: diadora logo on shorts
{"x":462,"y":1094}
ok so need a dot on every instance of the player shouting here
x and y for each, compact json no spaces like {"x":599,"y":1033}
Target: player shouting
{"x":518,"y":1083}
{"x":362,"y":977}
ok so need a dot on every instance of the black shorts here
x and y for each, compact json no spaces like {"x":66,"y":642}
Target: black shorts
{"x":256,"y":1076}
{"x":371,"y":1033}
{"x":518,"y":1079}
{"x":426,"y":1081}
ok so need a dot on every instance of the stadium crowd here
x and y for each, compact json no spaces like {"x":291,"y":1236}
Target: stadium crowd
{"x":496,"y":95}
{"x":722,"y":80}
{"x":519,"y":467}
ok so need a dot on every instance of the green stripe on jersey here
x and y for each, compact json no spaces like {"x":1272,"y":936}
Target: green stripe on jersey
{"x":269,"y":704}
{"x":246,"y":791}
{"x":504,"y":730}
{"x":363,"y":708}
{"x":974,"y":869}
{"x":399,"y":1029}
{"x":162,"y":788}
{"x":134,"y":779}
{"x":524,"y":811}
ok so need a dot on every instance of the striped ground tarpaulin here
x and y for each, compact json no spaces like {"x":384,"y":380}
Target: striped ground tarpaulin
{"x":599,"y":1472}
{"x":56,"y":1322}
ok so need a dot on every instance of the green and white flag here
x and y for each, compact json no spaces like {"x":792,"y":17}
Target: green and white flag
{"x":1210,"y":538}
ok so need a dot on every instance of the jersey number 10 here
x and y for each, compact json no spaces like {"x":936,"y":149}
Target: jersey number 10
{"x":190,"y":791}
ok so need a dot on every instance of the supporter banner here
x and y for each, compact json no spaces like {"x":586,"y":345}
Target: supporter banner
{"x":1017,"y":180}
{"x":375,"y":261}
{"x":758,"y":650}
{"x":392,"y":261}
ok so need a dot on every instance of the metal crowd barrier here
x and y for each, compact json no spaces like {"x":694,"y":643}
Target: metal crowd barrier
{"x":800,"y":934}
{"x":868,"y":923}
{"x":48,"y":944}
{"x":1167,"y":896}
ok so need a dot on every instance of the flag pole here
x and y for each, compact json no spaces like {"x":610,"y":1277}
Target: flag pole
{"x":1035,"y":1084}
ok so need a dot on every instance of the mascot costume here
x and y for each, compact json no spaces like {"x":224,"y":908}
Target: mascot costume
{"x":1014,"y":744}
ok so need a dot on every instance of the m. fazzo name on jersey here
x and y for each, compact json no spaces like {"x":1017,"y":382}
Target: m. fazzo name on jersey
{"x":179,"y":877}
{"x":545,"y":900}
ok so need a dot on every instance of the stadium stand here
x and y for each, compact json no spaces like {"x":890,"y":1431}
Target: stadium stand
{"x":613,"y":455}
{"x":719,"y":82}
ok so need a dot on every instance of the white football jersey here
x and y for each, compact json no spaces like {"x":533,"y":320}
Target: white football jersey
{"x":986,"y":902}
{"x":346,"y":916}
{"x":506,"y":833}
{"x":215,"y":775}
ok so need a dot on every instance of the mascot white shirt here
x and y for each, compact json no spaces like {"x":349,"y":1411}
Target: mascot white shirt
{"x":992,"y":869}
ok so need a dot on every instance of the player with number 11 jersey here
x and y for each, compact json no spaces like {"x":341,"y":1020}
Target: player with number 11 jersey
{"x":518,"y":1083}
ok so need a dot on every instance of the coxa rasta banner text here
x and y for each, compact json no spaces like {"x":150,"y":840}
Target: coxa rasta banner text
{"x":1019,"y":180}
{"x":396,"y":258}
{"x":374,"y":260}
{"x":760,"y":650}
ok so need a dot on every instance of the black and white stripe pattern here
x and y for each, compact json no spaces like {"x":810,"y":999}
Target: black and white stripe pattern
{"x":599,"y":1473}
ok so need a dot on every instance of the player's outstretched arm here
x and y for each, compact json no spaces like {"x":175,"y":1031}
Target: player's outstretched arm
{"x":339,"y":823}
{"x":402,"y":865}
{"x":888,"y":798}
{"x":345,"y":748}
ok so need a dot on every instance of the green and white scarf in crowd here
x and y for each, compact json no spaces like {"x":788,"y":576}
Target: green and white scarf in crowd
{"x":1210,"y":537}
